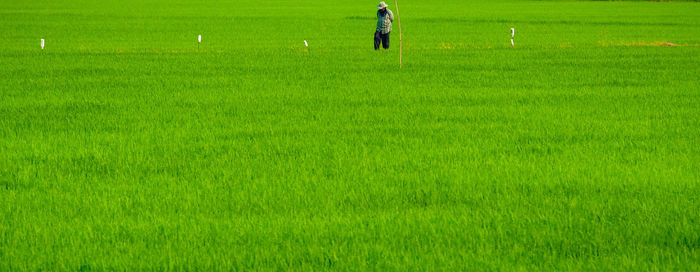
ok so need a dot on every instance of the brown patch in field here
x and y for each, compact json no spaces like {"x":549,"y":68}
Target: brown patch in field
{"x":641,"y":44}
{"x":565,"y":45}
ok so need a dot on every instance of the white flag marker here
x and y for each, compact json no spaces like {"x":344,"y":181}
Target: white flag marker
{"x":42,"y":44}
{"x":512,"y":43}
{"x":199,"y":38}
{"x":512,"y":32}
{"x":306,"y":43}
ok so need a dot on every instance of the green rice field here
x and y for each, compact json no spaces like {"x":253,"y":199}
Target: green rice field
{"x":127,"y":146}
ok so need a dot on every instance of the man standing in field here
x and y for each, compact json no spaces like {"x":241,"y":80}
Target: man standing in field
{"x":384,"y":19}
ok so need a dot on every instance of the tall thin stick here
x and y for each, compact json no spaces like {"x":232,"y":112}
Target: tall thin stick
{"x":398,"y":18}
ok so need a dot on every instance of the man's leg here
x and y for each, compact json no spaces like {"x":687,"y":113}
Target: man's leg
{"x":385,"y":40}
{"x":377,"y":40}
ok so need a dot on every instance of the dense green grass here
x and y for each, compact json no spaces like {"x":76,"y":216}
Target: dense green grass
{"x":124,"y":147}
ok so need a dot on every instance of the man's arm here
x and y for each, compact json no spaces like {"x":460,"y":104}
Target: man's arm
{"x":391,"y":15}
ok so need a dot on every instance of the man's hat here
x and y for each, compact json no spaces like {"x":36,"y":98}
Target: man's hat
{"x":382,"y":5}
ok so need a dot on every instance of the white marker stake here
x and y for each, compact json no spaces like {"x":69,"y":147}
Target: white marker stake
{"x":306,"y":43}
{"x":512,"y":35}
{"x":199,"y":40}
{"x":42,"y":44}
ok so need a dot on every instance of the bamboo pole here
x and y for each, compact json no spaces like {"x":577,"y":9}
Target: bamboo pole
{"x":398,"y":18}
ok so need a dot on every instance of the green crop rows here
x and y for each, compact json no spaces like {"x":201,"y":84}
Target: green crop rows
{"x":124,"y":146}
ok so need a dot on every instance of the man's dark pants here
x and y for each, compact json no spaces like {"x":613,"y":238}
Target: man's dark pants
{"x":382,"y":39}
